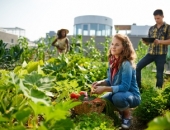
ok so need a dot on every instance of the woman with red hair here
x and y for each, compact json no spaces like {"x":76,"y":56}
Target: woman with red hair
{"x":120,"y":85}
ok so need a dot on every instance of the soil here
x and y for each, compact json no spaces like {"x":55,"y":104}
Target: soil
{"x":136,"y":125}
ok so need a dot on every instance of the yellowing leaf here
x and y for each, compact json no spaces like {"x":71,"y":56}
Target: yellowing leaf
{"x":22,"y":72}
{"x":17,"y":69}
{"x":51,"y":60}
{"x":32,"y":66}
{"x":41,"y":62}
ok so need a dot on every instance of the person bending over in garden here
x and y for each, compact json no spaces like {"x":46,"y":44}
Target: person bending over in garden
{"x":120,"y":85}
{"x":157,"y":50}
{"x":62,"y":42}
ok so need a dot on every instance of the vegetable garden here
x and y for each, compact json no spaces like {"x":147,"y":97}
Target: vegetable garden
{"x":36,"y":86}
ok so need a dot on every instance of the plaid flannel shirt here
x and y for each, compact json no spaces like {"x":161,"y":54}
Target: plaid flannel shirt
{"x":163,"y":33}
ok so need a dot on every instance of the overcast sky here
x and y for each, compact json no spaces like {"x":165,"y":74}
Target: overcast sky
{"x":38,"y":17}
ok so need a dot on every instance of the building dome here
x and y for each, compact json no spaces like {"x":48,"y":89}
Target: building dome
{"x":92,"y":25}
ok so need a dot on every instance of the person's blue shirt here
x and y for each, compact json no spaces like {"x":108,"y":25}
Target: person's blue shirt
{"x":124,"y":80}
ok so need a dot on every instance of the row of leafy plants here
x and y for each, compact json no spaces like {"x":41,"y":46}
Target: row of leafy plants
{"x":16,"y":54}
{"x":36,"y":94}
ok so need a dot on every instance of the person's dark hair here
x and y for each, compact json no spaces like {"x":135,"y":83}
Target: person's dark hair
{"x":158,"y":12}
{"x":60,"y":35}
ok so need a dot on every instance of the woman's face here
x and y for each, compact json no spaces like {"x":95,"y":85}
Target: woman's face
{"x":116,"y":47}
{"x":63,"y":33}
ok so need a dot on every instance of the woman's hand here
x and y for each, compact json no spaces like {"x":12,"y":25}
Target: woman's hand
{"x":59,"y":50}
{"x":95,"y":84}
{"x":99,"y":90}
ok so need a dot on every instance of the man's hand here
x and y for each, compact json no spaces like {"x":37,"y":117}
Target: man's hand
{"x":157,"y":41}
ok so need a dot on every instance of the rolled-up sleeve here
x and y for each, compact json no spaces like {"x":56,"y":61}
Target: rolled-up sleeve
{"x":126,"y":77}
{"x":115,"y":89}
{"x":107,"y":81}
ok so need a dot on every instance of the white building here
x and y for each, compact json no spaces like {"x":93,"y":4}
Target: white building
{"x":16,"y":31}
{"x":11,"y":35}
{"x":139,"y":30}
{"x":93,"y":25}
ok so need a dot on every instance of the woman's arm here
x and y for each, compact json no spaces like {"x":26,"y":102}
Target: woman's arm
{"x":126,"y":77}
{"x":53,"y":43}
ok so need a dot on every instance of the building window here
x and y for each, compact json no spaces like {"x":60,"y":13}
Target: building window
{"x":78,"y":29}
{"x":108,"y":30}
{"x":12,"y":40}
{"x":101,"y":31}
{"x":85,"y":29}
{"x":93,"y":29}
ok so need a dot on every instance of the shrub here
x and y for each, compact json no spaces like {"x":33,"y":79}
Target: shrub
{"x":152,"y":105}
{"x":93,"y":121}
{"x":166,"y":95}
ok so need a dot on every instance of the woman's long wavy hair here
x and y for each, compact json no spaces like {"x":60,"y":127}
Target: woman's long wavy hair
{"x":128,"y":52}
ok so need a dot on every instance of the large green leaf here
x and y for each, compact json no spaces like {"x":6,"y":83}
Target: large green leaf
{"x":42,"y":127}
{"x":22,"y":114}
{"x":67,"y":105}
{"x":33,"y":78}
{"x":38,"y":96}
{"x":17,"y":128}
{"x":46,"y":83}
{"x":160,"y":123}
{"x":3,"y":119}
{"x":34,"y":94}
{"x":48,"y":111}
{"x":61,"y":110}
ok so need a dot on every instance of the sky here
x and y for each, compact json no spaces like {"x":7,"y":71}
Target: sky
{"x":38,"y":17}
